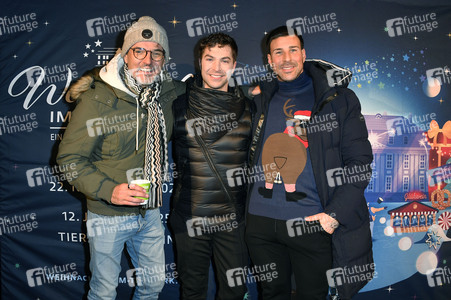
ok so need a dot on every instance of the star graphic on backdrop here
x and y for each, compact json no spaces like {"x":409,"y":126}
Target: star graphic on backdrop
{"x":385,"y":29}
{"x":441,"y":100}
{"x":46,"y":23}
{"x":449,"y":35}
{"x":339,"y":30}
{"x":381,"y":85}
{"x":390,"y":289}
{"x":392,"y":59}
{"x":422,"y":78}
{"x":234,"y":5}
{"x":388,"y":75}
{"x":406,"y":88}
{"x":433,"y":239}
{"x":415,"y":38}
{"x":98,"y":43}
{"x":405,"y":57}
{"x":88,"y":46}
{"x":14,"y":56}
{"x":414,"y":69}
{"x":174,"y":21}
{"x":367,"y":62}
{"x":265,"y":33}
{"x":86,"y":54}
{"x":359,"y":85}
{"x":29,"y":43}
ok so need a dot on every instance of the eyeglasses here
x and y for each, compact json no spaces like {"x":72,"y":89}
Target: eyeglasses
{"x":141,"y":53}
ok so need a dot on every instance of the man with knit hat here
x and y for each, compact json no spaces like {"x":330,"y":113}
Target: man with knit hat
{"x":118,"y":131}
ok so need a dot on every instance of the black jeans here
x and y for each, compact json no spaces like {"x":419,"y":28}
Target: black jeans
{"x":307,"y":254}
{"x":194,"y":253}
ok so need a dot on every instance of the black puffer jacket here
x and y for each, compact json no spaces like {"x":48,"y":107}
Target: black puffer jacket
{"x":211,"y":138}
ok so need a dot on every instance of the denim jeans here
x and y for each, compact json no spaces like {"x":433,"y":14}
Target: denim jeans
{"x":144,"y":238}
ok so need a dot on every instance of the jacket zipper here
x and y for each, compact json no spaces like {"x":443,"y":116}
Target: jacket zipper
{"x":212,"y":166}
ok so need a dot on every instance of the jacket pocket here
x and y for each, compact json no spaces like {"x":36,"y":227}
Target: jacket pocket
{"x":110,"y":145}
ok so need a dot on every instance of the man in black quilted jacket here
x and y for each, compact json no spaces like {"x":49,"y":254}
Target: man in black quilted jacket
{"x":211,"y":140}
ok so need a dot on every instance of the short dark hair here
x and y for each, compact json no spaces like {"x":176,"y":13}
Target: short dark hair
{"x":220,"y":39}
{"x":278,"y":32}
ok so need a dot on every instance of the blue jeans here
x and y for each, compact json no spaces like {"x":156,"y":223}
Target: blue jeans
{"x":144,"y":238}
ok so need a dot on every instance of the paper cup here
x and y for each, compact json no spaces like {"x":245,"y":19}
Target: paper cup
{"x":144,"y":184}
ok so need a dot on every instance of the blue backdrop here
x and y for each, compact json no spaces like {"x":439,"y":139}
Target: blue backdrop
{"x":398,"y":51}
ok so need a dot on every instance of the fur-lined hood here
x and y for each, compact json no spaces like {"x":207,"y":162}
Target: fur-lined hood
{"x":109,"y":74}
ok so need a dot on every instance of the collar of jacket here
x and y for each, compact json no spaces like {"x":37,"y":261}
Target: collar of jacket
{"x":206,"y":102}
{"x":317,"y":70}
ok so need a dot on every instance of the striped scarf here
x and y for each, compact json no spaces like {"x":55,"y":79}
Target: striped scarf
{"x":156,"y":152}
